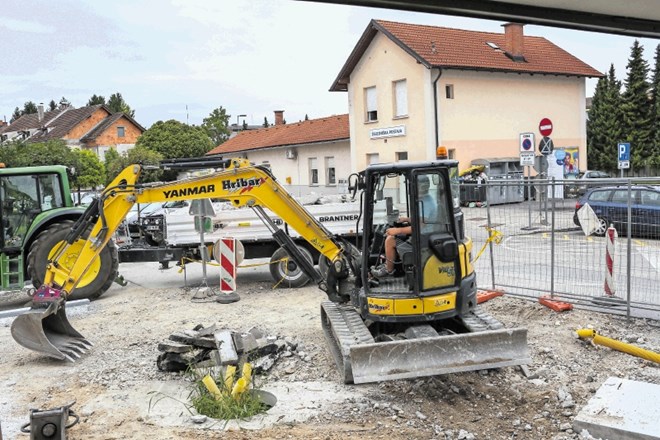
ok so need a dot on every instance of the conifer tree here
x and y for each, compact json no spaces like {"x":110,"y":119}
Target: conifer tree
{"x":636,"y":109}
{"x":604,"y":127}
{"x":655,"y":110}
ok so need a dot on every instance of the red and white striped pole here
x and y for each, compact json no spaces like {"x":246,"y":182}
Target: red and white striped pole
{"x":610,"y":236}
{"x":227,"y":265}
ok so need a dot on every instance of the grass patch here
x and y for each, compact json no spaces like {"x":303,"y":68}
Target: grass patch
{"x":222,"y":397}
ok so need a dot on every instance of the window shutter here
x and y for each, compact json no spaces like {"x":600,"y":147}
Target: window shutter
{"x":401,"y":97}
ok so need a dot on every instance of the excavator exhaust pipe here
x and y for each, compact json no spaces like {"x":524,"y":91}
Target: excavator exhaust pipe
{"x":49,"y":332}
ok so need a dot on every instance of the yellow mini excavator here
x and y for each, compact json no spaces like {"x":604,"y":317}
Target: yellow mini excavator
{"x":415,"y":315}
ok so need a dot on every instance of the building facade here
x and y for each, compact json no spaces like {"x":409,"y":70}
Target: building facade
{"x":307,"y":156}
{"x":412,"y":88}
{"x":93,"y":128}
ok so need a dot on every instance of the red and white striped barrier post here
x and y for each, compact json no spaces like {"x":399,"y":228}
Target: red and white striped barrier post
{"x":610,"y":236}
{"x":227,"y":265}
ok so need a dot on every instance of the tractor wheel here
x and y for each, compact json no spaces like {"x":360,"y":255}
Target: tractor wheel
{"x":284,"y":269}
{"x":99,"y":276}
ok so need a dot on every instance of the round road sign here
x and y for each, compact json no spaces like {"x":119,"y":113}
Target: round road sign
{"x":546,"y":146}
{"x":527,"y":144}
{"x":545,"y":127}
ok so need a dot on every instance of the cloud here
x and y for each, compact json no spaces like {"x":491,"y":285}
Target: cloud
{"x":25,"y":26}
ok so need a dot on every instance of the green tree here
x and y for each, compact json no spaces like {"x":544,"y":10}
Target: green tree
{"x":306,"y":117}
{"x":655,"y":110}
{"x":217,"y":126}
{"x":53,"y":152}
{"x":604,"y":126}
{"x":17,"y":114}
{"x":117,"y":104}
{"x":115,"y":163}
{"x":173,"y":140}
{"x":245,"y":124}
{"x":90,"y":171}
{"x":266,"y":124}
{"x":96,"y":100}
{"x":636,"y":108}
{"x":29,"y":108}
{"x":52,"y":105}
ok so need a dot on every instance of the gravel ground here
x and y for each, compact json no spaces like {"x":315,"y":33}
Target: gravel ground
{"x":114,"y":384}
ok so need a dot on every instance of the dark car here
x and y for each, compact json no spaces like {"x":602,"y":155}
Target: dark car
{"x":610,"y":204}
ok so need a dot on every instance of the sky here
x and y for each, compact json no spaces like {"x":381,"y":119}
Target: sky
{"x":181,"y":59}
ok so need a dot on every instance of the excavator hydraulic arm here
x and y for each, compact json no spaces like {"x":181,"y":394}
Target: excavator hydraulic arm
{"x":46,"y":329}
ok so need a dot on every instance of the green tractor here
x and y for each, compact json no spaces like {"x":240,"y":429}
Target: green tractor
{"x":37,"y":213}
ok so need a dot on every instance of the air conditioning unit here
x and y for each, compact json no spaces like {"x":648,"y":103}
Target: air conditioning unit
{"x":291,"y":153}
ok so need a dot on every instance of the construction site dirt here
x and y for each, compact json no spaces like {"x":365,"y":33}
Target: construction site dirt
{"x":119,"y":392}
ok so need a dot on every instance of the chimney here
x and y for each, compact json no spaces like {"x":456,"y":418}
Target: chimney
{"x":279,"y":117}
{"x":515,"y":46}
{"x":40,"y":112}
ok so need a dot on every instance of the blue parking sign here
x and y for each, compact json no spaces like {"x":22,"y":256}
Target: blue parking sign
{"x":624,"y":151}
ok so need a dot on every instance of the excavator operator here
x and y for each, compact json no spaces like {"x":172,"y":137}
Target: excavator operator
{"x":396,"y":240}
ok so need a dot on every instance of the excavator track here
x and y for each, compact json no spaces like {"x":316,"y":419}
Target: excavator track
{"x":478,"y":320}
{"x":343,"y":328}
{"x":360,"y":359}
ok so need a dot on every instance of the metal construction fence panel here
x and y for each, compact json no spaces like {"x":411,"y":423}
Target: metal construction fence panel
{"x":539,"y":247}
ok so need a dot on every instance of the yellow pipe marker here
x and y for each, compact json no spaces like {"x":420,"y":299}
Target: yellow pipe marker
{"x":618,"y":345}
{"x":210,"y":385}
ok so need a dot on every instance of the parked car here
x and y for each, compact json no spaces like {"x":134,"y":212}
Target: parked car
{"x":610,"y":204}
{"x":583,"y":177}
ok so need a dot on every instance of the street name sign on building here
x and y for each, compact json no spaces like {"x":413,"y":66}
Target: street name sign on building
{"x":377,"y":133}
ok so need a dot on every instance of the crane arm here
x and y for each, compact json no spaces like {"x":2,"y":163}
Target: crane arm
{"x":241,"y":183}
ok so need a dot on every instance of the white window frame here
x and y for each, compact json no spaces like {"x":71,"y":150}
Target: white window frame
{"x":330,"y":171}
{"x":370,"y":104}
{"x":373,"y":158}
{"x":400,"y":98}
{"x":313,"y":171}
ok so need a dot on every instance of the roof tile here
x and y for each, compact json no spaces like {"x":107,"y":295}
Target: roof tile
{"x":331,"y":128}
{"x":462,"y":49}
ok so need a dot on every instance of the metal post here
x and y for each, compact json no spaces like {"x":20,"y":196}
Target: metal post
{"x":490,"y":243}
{"x":552,"y":243}
{"x":629,"y":248}
{"x":529,"y":194}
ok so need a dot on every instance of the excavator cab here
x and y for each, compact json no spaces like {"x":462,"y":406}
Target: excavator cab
{"x":426,"y":260}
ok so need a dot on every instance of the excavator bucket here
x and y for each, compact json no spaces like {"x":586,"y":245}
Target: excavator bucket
{"x":410,"y":358}
{"x":48,"y":331}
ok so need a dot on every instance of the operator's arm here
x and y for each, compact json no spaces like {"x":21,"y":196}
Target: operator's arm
{"x":405,"y":230}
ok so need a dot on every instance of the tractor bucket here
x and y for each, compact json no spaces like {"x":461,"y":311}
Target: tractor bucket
{"x":429,"y":356}
{"x":48,"y":331}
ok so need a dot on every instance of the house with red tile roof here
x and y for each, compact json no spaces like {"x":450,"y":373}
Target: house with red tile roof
{"x":308,"y":155}
{"x":93,"y":128}
{"x":413,"y":87}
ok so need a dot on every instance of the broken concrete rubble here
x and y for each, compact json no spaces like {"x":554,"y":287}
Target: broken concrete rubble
{"x":204,"y":347}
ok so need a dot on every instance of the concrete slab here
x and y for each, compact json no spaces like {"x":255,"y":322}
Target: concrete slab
{"x":621,"y":409}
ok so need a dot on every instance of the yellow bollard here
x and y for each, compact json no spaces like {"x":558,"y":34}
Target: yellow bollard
{"x":618,"y":345}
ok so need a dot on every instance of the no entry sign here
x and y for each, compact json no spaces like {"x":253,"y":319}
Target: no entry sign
{"x":545,"y":127}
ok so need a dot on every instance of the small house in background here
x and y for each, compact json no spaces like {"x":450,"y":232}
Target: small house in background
{"x":307,"y":156}
{"x":94,"y":128}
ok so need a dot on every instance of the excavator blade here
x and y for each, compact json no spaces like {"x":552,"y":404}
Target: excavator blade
{"x":360,"y":359}
{"x":410,"y":358}
{"x":49,"y":332}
